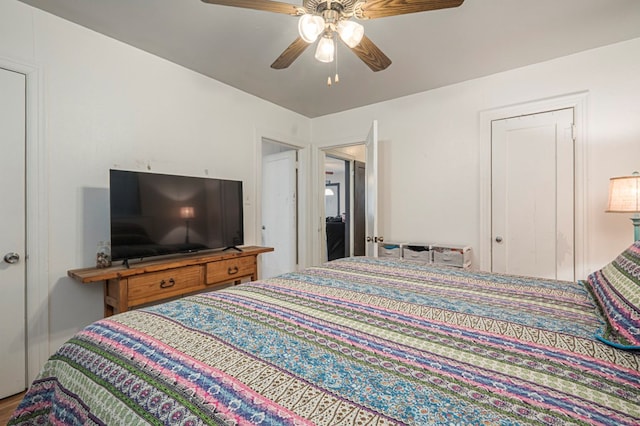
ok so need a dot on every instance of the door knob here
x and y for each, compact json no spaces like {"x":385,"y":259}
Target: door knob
{"x":12,"y":257}
{"x":498,"y":239}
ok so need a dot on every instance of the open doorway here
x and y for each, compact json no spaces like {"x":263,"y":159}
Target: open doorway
{"x":337,"y":207}
{"x":344,"y":201}
{"x":279,"y":216}
{"x":363,"y":178}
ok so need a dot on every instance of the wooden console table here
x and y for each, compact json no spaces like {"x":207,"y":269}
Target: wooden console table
{"x":162,"y":279}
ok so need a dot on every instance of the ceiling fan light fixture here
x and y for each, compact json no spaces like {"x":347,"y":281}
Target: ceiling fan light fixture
{"x":326,"y":49}
{"x":350,"y":32}
{"x":310,"y":27}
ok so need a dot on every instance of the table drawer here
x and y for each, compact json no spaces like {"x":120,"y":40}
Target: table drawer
{"x":230,"y":269}
{"x":154,"y":286}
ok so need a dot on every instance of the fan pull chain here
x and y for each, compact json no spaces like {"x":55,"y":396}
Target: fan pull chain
{"x":336,"y":79}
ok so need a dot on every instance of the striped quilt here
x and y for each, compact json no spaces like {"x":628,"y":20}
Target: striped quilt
{"x":356,"y":341}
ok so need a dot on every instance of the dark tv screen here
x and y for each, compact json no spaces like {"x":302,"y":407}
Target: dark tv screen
{"x":156,"y":214}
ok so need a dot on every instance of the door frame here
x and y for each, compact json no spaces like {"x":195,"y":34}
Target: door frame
{"x":577,"y":101}
{"x":348,"y":190}
{"x":303,"y":155}
{"x":317,"y":219}
{"x":37,"y":219}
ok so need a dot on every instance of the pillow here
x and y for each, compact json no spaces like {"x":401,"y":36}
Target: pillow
{"x":616,"y":288}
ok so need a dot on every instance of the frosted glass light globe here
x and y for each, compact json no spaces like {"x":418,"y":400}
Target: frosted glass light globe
{"x":350,"y":32}
{"x":325,"y":49}
{"x":310,"y":27}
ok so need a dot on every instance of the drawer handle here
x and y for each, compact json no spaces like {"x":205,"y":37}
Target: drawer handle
{"x":164,"y":284}
{"x":232,"y":271}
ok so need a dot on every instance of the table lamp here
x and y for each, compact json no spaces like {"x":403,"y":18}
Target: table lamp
{"x":187,"y":213}
{"x":624,"y":197}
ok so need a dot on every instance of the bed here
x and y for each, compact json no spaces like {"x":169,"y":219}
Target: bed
{"x":359,"y":341}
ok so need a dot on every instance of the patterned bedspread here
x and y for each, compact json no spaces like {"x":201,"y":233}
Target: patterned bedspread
{"x":356,"y":341}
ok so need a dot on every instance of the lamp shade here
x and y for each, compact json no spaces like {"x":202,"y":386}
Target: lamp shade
{"x":350,"y":32}
{"x":325,"y":49}
{"x":310,"y":27}
{"x":624,"y":194}
{"x":187,"y":212}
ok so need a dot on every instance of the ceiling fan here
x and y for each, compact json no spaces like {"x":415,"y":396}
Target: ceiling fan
{"x":331,"y":19}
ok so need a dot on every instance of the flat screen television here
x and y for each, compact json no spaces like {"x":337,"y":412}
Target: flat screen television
{"x":154,"y":214}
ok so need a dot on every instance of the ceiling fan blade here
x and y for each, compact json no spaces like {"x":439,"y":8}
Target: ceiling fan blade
{"x":372,"y":9}
{"x":265,"y":5}
{"x":371,"y":55}
{"x":290,"y":54}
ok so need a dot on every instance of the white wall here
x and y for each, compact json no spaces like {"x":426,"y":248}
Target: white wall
{"x":429,"y":146}
{"x":107,"y":104}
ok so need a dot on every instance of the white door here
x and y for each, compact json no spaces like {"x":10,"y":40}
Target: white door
{"x":279,"y":223}
{"x":12,"y":233}
{"x":532,"y":190}
{"x":371,"y":195}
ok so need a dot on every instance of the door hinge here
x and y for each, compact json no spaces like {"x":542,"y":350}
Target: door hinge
{"x":573,"y":132}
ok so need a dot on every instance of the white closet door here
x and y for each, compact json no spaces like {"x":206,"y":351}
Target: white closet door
{"x":533,"y":195}
{"x":12,"y":233}
{"x":279,"y":200}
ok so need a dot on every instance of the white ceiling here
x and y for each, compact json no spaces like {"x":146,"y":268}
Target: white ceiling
{"x":429,"y":49}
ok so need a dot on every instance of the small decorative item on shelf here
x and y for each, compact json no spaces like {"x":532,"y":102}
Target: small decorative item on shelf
{"x":103,"y":255}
